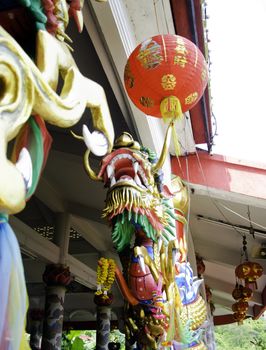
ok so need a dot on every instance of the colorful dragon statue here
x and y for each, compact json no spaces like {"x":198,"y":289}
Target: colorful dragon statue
{"x":163,"y":307}
{"x":28,"y":99}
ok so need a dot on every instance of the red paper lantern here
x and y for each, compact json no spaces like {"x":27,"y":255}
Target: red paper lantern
{"x":249,"y":272}
{"x":240,"y":307}
{"x":241,"y":292}
{"x":166,"y":75}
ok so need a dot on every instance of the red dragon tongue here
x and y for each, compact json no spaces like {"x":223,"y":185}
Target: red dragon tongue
{"x":125,"y":177}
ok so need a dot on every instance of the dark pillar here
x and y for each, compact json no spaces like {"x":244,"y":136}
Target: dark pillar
{"x":103,"y":327}
{"x":103,"y":303}
{"x":56,"y":277}
{"x":36,"y":323}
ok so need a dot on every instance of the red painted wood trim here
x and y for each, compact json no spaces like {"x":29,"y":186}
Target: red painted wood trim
{"x":223,"y":319}
{"x":85,"y":325}
{"x":259,"y":310}
{"x":222,"y":173}
{"x":185,"y":26}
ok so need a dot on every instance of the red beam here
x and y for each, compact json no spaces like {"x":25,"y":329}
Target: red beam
{"x":222,"y":173}
{"x":259,"y":310}
{"x":187,"y":18}
{"x":85,"y":325}
{"x":223,"y":319}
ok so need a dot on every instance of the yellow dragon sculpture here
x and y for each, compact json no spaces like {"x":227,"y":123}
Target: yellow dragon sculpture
{"x":28,"y":100}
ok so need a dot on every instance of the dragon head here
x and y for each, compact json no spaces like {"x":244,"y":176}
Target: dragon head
{"x":136,"y":199}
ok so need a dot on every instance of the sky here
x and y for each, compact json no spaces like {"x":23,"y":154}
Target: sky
{"x":237,"y":30}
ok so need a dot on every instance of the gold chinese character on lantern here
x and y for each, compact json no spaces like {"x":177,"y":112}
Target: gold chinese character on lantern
{"x":191,"y":98}
{"x":128,"y":76}
{"x":181,"y":53}
{"x":150,"y":55}
{"x":181,"y":49}
{"x":168,"y":82}
{"x":146,"y":101}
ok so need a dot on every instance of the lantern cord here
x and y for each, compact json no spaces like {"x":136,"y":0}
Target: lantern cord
{"x":206,"y":184}
{"x":243,"y":217}
{"x":165,"y":18}
{"x":245,"y":252}
{"x":156,"y":15}
{"x":251,"y":229}
{"x":220,"y":204}
{"x":176,"y":142}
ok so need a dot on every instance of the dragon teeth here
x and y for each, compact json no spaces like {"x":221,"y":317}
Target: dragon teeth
{"x":113,"y":181}
{"x":136,"y":167}
{"x":110,"y":171}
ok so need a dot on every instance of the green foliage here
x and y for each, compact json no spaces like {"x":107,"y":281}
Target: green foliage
{"x":118,"y":337}
{"x":249,"y":336}
{"x":86,"y":340}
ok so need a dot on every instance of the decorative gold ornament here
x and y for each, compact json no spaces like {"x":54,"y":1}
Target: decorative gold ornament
{"x":146,"y":101}
{"x":196,"y":312}
{"x":249,"y":272}
{"x":150,"y":54}
{"x":168,"y":82}
{"x":191,"y":98}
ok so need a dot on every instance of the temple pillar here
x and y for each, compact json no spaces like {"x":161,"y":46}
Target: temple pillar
{"x":103,"y":327}
{"x":61,"y":235}
{"x":103,"y":303}
{"x":36,"y":323}
{"x":57,"y":277}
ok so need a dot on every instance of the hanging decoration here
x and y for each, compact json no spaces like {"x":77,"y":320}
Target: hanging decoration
{"x":13,"y":293}
{"x":246,"y":274}
{"x":165,"y":76}
{"x":200,"y":265}
{"x":105,"y":279}
{"x":248,"y":271}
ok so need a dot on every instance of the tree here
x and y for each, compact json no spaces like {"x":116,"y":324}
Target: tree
{"x":251,"y":335}
{"x":86,"y":340}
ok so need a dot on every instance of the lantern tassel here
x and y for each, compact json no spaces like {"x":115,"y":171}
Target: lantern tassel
{"x":176,"y":142}
{"x":170,"y":108}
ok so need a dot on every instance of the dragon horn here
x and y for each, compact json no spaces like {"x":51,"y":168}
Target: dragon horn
{"x":165,"y":148}
{"x":88,"y":169}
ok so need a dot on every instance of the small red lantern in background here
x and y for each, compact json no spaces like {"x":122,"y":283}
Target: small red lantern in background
{"x":240,"y":307}
{"x":242,"y":293}
{"x":200,"y":265}
{"x":239,"y":317}
{"x":165,"y":76}
{"x":249,"y":272}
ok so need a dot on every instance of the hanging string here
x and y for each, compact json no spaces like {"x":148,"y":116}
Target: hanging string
{"x":165,"y":18}
{"x":156,"y":16}
{"x":243,"y":217}
{"x":206,"y":183}
{"x":245,"y":252}
{"x":251,"y":229}
{"x":214,"y":202}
